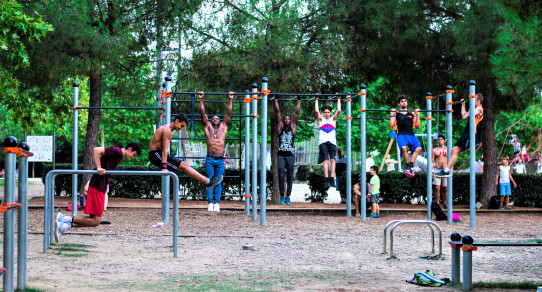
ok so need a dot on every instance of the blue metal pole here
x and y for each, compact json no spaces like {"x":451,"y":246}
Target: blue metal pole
{"x":263,"y":155}
{"x":22,"y":231}
{"x":165,"y":179}
{"x":254,"y":152}
{"x":247,"y":153}
{"x":75,"y":147}
{"x":472,"y":149}
{"x":429,"y":123}
{"x":9,"y":216}
{"x":348,"y":156}
{"x":467,"y":262}
{"x":363,"y":150}
{"x":456,"y":257}
{"x":449,"y":188}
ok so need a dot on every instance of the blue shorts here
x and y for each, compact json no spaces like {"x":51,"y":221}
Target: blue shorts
{"x":408,"y":140}
{"x":505,"y":189}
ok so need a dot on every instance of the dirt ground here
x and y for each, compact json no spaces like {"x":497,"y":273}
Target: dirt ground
{"x":292,"y":252}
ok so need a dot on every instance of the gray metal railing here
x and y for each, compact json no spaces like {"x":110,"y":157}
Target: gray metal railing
{"x":396,"y":223}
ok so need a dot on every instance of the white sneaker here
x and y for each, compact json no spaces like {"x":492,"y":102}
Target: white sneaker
{"x":59,"y":230}
{"x":210,"y":208}
{"x":216,"y":207}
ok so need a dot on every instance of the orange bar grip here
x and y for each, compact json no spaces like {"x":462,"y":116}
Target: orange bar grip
{"x":24,"y":155}
{"x":469,"y":248}
{"x":73,"y":107}
{"x":256,"y":97}
{"x":450,"y":102}
{"x":454,"y":245}
{"x":163,"y":115}
{"x":256,"y":116}
{"x":347,"y":118}
{"x":362,"y":110}
{"x":348,"y":99}
{"x":255,"y":92}
{"x":450,"y":91}
{"x":428,"y":118}
{"x":163,"y":102}
{"x":16,"y":150}
{"x":450,"y":111}
{"x":2,"y":270}
{"x":362,"y":93}
{"x":473,"y":95}
{"x":247,"y":196}
{"x":266,"y":91}
{"x":429,"y":97}
{"x":247,"y":100}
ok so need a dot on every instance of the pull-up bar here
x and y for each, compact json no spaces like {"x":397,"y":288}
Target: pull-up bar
{"x":119,"y":107}
{"x":389,"y":110}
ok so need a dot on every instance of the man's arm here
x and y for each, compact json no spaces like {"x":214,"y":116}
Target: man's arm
{"x":277,"y":115}
{"x":296,"y":114}
{"x":97,"y":154}
{"x":166,"y":139}
{"x":497,"y":178}
{"x":417,"y":122}
{"x":204,"y":119}
{"x":338,"y":111}
{"x":392,"y":121}
{"x":512,"y":179}
{"x":316,"y":110}
{"x":227,"y":118}
{"x":464,"y":112}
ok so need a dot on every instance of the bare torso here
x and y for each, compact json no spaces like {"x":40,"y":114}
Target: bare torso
{"x":158,"y":138}
{"x":440,"y":154}
{"x":215,"y":138}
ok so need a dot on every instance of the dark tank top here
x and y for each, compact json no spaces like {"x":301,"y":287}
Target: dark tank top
{"x":286,"y":146}
{"x":404,"y":124}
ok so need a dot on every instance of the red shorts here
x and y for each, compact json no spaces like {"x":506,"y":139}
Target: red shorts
{"x":95,"y":202}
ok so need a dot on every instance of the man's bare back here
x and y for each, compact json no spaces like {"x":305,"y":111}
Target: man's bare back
{"x":158,"y":138}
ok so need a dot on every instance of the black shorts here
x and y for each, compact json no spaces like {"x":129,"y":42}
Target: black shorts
{"x":155,"y":158}
{"x":464,"y":140}
{"x":327,"y":151}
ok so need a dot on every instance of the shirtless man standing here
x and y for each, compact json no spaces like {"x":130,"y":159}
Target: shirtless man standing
{"x":158,"y":153}
{"x":440,"y":159}
{"x":215,"y":135}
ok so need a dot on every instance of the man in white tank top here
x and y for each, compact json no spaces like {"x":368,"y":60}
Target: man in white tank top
{"x":327,"y":141}
{"x":503,"y":178}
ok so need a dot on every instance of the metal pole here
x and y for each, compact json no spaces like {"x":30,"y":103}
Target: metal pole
{"x":254,"y":152}
{"x":363,"y":150}
{"x":9,"y":217}
{"x":449,"y":188}
{"x":22,"y":231}
{"x":348,"y":156}
{"x":429,"y":123}
{"x":165,"y":179}
{"x":467,"y":262}
{"x":247,"y":153}
{"x":456,"y":257}
{"x":472,"y":150}
{"x":263,"y":155}
{"x":75,"y":147}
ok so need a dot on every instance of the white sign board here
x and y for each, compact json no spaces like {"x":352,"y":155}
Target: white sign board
{"x":42,"y":147}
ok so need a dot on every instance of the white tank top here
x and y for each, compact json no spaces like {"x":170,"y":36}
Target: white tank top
{"x":504,"y":174}
{"x":326,"y":131}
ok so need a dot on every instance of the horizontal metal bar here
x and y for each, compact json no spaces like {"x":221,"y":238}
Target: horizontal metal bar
{"x":538,"y":243}
{"x":311,"y":94}
{"x":175,"y":138}
{"x":235,"y":116}
{"x":232,"y":120}
{"x":213,"y":93}
{"x":370,"y":118}
{"x":225,"y":176}
{"x":202,"y":157}
{"x":126,"y":108}
{"x":389,"y":110}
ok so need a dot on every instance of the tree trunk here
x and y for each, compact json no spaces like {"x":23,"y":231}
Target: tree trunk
{"x":93,"y":125}
{"x":489,"y":188}
{"x":275,"y":195}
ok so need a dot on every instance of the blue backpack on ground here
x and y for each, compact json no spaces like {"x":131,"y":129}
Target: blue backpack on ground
{"x":427,"y":278}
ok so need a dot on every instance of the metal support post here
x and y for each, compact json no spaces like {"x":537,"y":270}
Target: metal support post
{"x":263,"y":154}
{"x":10,"y":150}
{"x":449,"y":188}
{"x":165,"y":179}
{"x":472,"y":150}
{"x":75,"y":147}
{"x":429,"y":123}
{"x":254,"y":152}
{"x":247,"y":153}
{"x":348,"y":156}
{"x":22,"y":231}
{"x":456,"y":245}
{"x":467,"y":262}
{"x":363,"y":151}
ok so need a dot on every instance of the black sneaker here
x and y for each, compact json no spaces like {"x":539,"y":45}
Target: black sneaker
{"x":213,"y":182}
{"x":326,"y":182}
{"x":443,"y":173}
{"x":332,"y":182}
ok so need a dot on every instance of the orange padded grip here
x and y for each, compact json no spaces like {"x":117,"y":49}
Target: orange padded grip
{"x":429,"y":118}
{"x":246,"y":100}
{"x":469,"y":248}
{"x":429,"y":97}
{"x":16,"y":150}
{"x":450,"y":111}
{"x":472,"y":95}
{"x":347,"y":118}
{"x":256,"y":116}
{"x":362,"y":93}
{"x":348,"y":99}
{"x":266,"y":91}
{"x":450,"y":91}
{"x":450,"y":102}
{"x":362,"y":110}
{"x":247,"y":196}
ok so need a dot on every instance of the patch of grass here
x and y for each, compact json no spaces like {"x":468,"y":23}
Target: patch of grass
{"x":72,"y":250}
{"x":30,"y":289}
{"x":508,"y":285}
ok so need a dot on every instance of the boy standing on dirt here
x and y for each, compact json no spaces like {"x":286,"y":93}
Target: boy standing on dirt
{"x":504,"y":176}
{"x":105,"y":158}
{"x":374,"y":192}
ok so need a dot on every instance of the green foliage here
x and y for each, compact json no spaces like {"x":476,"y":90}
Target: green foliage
{"x":508,"y":285}
{"x":316,"y":185}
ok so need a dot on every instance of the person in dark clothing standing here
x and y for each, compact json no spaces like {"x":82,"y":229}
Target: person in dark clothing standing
{"x":286,"y":128}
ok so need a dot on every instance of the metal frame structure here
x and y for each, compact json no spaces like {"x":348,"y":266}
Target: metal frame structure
{"x":398,"y":222}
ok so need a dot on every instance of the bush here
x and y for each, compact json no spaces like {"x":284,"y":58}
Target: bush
{"x":123,"y":186}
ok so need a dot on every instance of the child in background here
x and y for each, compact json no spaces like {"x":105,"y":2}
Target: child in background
{"x":374,"y":192}
{"x":503,"y":178}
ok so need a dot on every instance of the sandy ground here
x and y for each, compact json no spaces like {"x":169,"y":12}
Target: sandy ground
{"x":292,"y":252}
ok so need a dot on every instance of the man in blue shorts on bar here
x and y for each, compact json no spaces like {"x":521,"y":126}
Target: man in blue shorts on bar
{"x":404,"y":122}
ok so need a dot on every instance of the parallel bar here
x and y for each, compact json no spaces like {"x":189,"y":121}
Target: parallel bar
{"x":209,"y":115}
{"x":211,"y":101}
{"x":200,"y":139}
{"x":388,"y":110}
{"x":308,"y":94}
{"x":209,"y":93}
{"x":203,"y":157}
{"x":119,"y":107}
{"x":49,"y":199}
